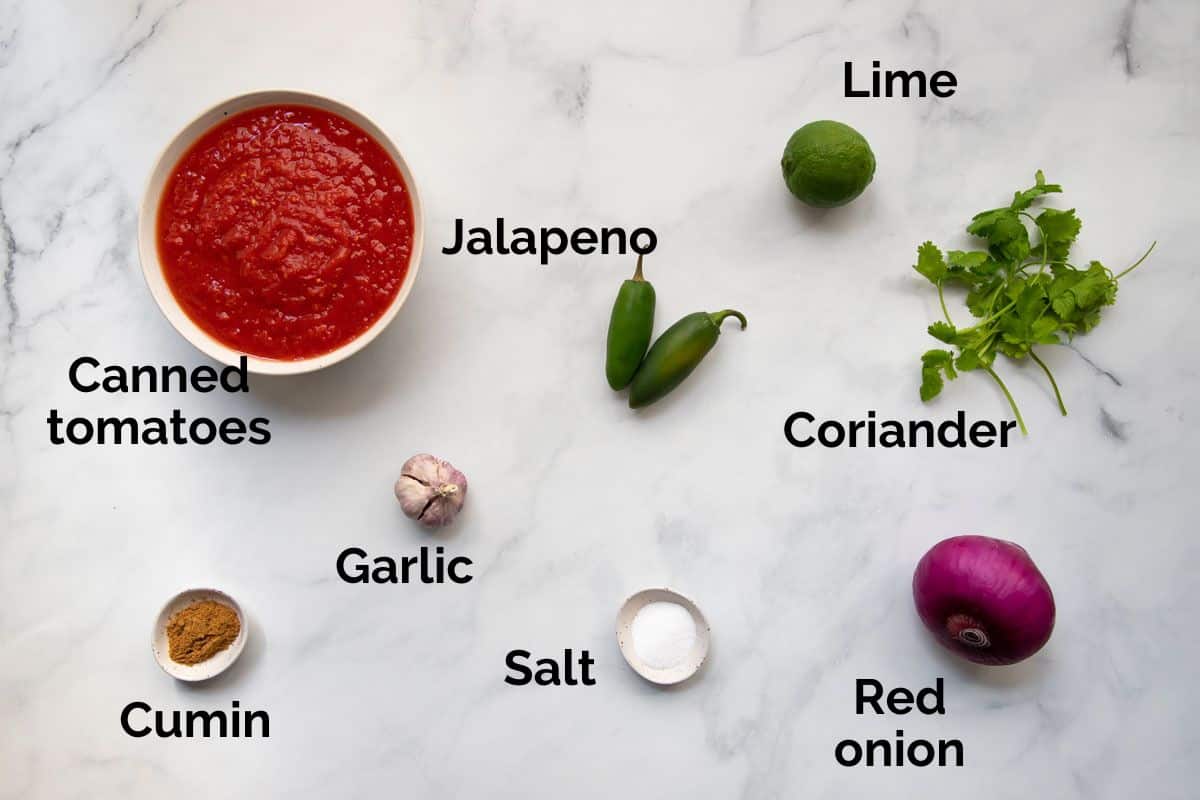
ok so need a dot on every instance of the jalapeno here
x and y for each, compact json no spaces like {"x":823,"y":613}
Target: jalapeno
{"x":629,"y":329}
{"x":676,"y":353}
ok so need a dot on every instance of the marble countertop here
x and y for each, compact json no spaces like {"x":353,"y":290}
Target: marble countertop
{"x":633,"y":114}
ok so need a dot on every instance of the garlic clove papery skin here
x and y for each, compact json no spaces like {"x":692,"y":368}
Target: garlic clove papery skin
{"x":431,"y":490}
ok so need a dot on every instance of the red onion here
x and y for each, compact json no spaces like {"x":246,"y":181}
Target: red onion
{"x":984,"y":599}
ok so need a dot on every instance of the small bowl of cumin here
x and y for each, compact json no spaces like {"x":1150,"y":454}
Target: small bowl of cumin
{"x":199,"y":633}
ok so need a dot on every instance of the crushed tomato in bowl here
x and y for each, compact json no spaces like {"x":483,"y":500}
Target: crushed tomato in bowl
{"x":285,"y":231}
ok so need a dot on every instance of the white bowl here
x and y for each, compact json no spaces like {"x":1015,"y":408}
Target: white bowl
{"x":680,"y":672}
{"x":148,"y":232}
{"x":205,"y":669}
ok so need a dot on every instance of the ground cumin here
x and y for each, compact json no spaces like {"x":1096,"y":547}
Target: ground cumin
{"x":200,"y":631}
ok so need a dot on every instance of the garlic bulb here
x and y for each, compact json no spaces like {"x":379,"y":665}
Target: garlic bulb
{"x":431,"y":490}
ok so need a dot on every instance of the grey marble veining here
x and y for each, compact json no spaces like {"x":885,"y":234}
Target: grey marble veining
{"x":665,"y":115}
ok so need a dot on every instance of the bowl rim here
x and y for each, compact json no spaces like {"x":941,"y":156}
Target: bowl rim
{"x":147,"y":231}
{"x":700,"y":650}
{"x":219,"y":662}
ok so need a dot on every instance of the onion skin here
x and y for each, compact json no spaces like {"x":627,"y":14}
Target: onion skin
{"x":984,"y":599}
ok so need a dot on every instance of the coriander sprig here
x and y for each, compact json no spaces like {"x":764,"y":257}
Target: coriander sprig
{"x":1024,"y":292}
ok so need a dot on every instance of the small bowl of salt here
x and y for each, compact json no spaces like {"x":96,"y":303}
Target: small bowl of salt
{"x":662,"y":635}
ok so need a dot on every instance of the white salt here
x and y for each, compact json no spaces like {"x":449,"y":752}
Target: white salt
{"x":663,"y":634}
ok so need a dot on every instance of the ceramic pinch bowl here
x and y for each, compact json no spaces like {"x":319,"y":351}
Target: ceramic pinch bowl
{"x":205,"y":669}
{"x":679,"y":672}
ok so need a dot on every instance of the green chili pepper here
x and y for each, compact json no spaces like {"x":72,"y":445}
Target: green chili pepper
{"x":676,"y":353}
{"x":629,"y":329}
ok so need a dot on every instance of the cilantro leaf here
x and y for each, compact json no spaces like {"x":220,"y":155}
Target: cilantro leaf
{"x":1076,"y":294}
{"x":1023,"y":200}
{"x":969,"y":359}
{"x":930,"y":263}
{"x":1015,"y":288}
{"x":933,"y":364}
{"x":979,"y":299}
{"x":1013,"y":350}
{"x":1098,"y":288}
{"x":1030,"y":303}
{"x":1009,"y":239}
{"x":988,"y":268}
{"x":943,"y":332}
{"x":1044,"y":331}
{"x":1059,"y":229}
{"x":966,"y":260}
{"x":1064,"y":305}
{"x":983,"y":222}
{"x":970,"y":267}
{"x":1089,"y":320}
{"x":1061,"y":294}
{"x":1007,"y":236}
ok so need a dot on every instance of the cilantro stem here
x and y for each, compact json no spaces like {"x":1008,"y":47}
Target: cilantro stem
{"x":942,"y":300}
{"x":1137,"y":263}
{"x":990,"y":319}
{"x":995,"y":296}
{"x":1057,"y":394}
{"x":985,"y":344}
{"x":1012,"y":403}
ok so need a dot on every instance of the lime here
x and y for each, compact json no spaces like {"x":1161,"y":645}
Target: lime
{"x":827,"y":164}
